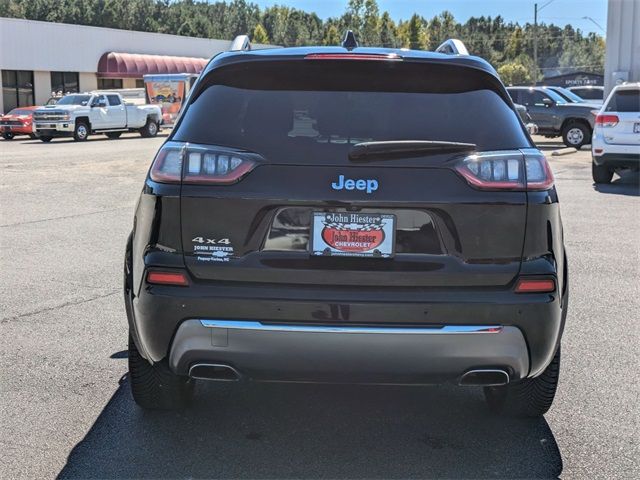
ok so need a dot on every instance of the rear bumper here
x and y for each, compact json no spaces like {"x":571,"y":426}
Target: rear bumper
{"x":374,"y":355}
{"x":166,"y":323}
{"x":618,"y":160}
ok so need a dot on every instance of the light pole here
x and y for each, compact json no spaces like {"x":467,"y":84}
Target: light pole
{"x":535,"y":39}
{"x":594,"y":22}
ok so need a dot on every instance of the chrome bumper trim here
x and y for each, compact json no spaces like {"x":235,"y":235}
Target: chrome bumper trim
{"x":271,"y":327}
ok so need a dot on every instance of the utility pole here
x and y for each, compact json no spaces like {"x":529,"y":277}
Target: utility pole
{"x":535,"y":38}
{"x":534,"y":75}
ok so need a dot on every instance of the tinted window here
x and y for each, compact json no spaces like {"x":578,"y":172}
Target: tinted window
{"x":624,"y":101}
{"x":113,"y":100}
{"x":589,"y":93}
{"x":316,"y":114}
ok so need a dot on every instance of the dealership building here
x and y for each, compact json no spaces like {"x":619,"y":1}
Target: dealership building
{"x":38,"y":58}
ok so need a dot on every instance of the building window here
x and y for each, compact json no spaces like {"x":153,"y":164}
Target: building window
{"x":139,"y":83}
{"x":109,"y":83}
{"x":17,"y":89}
{"x":64,"y":82}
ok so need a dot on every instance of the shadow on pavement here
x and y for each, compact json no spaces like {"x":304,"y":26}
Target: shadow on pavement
{"x":628,"y":183}
{"x":92,"y":138}
{"x":248,"y":430}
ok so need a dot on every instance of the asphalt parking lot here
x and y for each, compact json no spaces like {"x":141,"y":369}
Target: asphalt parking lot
{"x":65,"y":407}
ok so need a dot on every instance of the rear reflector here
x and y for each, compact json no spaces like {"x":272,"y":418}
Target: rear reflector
{"x":535,"y":285}
{"x":168,"y":278}
{"x":353,"y":56}
{"x":607,"y":120}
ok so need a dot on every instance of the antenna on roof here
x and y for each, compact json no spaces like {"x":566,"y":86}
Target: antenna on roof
{"x":349,"y":41}
{"x":453,"y":46}
{"x":240,"y":43}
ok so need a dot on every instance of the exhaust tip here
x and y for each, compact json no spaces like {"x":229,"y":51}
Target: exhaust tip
{"x":484,"y":378}
{"x":214,"y":371}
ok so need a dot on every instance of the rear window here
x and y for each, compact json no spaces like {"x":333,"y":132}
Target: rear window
{"x":624,"y":101}
{"x":316,"y":110}
{"x":589,"y":93}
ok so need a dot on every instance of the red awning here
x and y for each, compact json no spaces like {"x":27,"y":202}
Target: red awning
{"x":134,"y":65}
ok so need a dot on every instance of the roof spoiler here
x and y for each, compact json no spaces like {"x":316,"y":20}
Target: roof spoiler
{"x":453,"y":46}
{"x":240,"y":43}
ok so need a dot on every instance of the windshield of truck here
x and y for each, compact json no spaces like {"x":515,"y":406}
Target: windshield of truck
{"x":75,"y":100}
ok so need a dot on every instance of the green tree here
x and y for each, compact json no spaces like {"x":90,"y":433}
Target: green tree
{"x":388,"y":31}
{"x":417,"y":33}
{"x":514,"y":74}
{"x":260,"y":35}
{"x":331,"y":36}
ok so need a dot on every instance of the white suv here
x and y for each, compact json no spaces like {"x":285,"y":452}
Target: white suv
{"x":616,"y":136}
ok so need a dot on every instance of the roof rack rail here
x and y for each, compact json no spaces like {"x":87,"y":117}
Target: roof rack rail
{"x":453,"y":46}
{"x":240,"y":43}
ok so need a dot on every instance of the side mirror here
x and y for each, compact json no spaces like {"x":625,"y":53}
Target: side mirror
{"x":99,"y":104}
{"x":548,"y":102}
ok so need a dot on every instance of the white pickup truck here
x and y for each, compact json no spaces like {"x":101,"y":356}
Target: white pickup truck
{"x":79,"y":115}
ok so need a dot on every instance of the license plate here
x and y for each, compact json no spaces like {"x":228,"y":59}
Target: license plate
{"x":636,"y":127}
{"x":349,"y":234}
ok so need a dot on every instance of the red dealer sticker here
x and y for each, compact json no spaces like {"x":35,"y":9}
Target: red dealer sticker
{"x":352,"y":234}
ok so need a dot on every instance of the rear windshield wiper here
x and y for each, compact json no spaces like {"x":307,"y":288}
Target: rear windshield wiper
{"x":390,"y":149}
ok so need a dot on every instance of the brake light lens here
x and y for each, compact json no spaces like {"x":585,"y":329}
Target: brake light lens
{"x":178,"y":279}
{"x":353,"y":56}
{"x":514,"y":170}
{"x":537,"y":285}
{"x":607,"y":120}
{"x":200,"y":164}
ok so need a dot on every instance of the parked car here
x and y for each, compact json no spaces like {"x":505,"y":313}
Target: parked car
{"x":532,"y":128}
{"x":616,"y":137}
{"x":591,"y":93}
{"x":17,"y":122}
{"x":300,"y":226}
{"x":554,"y":116}
{"x":79,"y":115}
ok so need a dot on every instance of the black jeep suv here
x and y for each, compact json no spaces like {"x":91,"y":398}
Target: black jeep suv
{"x":348,"y":215}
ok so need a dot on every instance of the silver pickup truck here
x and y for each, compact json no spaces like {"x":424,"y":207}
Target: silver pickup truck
{"x":79,"y":115}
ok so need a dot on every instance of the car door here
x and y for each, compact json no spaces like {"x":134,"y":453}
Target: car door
{"x":116,"y":110}
{"x":541,"y":107}
{"x":99,"y":115}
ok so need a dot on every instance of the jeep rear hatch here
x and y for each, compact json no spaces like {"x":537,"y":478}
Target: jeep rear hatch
{"x":265,"y":146}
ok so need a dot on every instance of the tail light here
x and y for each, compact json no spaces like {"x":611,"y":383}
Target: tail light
{"x":535,"y":285}
{"x":605,"y":120}
{"x":514,"y":170}
{"x":199,"y":164}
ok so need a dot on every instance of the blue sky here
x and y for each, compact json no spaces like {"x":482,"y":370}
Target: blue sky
{"x":559,"y":12}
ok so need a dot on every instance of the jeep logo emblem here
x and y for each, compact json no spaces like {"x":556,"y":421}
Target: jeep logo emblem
{"x":369,"y":185}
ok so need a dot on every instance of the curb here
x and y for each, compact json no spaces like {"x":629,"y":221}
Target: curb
{"x":563,"y":151}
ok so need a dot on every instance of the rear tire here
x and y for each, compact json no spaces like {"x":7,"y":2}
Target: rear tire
{"x":46,"y":139}
{"x":8,"y":136}
{"x":531,"y":397}
{"x":150,"y":129}
{"x":601,"y":173}
{"x":81,"y":132}
{"x":113,"y":135}
{"x":156,"y":387}
{"x":33,"y":136}
{"x":576,"y":134}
